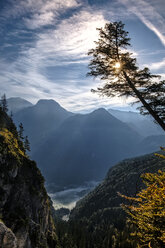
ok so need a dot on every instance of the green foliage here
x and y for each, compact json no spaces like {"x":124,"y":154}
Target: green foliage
{"x":20,"y":131}
{"x":111,"y":49}
{"x":84,"y":233}
{"x":27,"y":144}
{"x":4,"y":103}
{"x":23,"y":141}
{"x":155,"y":96}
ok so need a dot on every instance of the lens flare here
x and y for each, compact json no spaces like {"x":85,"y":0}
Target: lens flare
{"x":117,"y":65}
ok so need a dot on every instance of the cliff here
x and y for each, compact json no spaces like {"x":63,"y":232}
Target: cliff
{"x":25,"y":208}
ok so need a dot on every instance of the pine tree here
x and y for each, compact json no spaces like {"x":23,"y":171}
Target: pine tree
{"x":21,"y":131}
{"x":27,"y":144}
{"x":11,"y":115}
{"x":155,"y":96}
{"x":113,"y":64}
{"x":147,"y":210}
{"x":4,"y":103}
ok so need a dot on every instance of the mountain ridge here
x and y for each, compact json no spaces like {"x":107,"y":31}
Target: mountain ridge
{"x":144,"y":125}
{"x":16,"y":104}
{"x":86,"y":139}
{"x":99,"y":216}
{"x":87,"y":143}
{"x":40,"y":119}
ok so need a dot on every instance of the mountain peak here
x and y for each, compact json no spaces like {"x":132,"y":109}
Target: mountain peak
{"x":103,"y":114}
{"x":101,"y":111}
{"x":16,"y":104}
{"x":16,"y":99}
{"x":47,"y":102}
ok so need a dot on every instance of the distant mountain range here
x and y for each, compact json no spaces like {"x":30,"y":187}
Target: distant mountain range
{"x":84,"y":146}
{"x":144,"y":125}
{"x":74,"y":148}
{"x":40,"y":120}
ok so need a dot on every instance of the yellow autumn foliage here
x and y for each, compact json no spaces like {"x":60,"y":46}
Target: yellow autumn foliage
{"x":161,"y":155}
{"x":148,"y":211}
{"x":12,"y":143}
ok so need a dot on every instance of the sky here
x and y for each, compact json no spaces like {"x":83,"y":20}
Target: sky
{"x":44,"y":46}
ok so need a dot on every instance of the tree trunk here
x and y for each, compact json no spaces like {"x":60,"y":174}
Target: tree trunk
{"x":146,"y":105}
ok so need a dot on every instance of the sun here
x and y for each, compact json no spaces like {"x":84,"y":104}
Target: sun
{"x":117,"y":65}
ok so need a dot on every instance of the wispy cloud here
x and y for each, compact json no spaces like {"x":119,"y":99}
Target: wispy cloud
{"x":49,"y":12}
{"x":19,"y":8}
{"x":39,"y":20}
{"x":149,"y":15}
{"x":74,"y":36}
{"x":59,"y":33}
{"x":157,"y":65}
{"x":54,"y":47}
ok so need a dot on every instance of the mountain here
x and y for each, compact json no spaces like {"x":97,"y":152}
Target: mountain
{"x":98,"y":219}
{"x":144,"y":125}
{"x":16,"y":104}
{"x":26,"y":218}
{"x":84,"y":147}
{"x":41,"y":119}
{"x":152,"y":143}
{"x":74,"y":148}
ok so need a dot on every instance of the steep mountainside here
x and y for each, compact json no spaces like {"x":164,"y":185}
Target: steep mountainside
{"x":25,"y":208}
{"x":100,"y":216}
{"x":15,"y":104}
{"x":41,"y":119}
{"x":152,"y":143}
{"x":84,"y":146}
{"x":144,"y":125}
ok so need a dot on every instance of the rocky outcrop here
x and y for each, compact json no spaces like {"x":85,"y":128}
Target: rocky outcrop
{"x":25,"y":207}
{"x":7,"y":237}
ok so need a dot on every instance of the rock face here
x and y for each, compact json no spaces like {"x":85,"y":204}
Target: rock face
{"x":7,"y":237}
{"x":25,"y":207}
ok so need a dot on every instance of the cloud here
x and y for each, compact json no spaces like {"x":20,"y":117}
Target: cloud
{"x":48,"y":13}
{"x":39,"y":20}
{"x":59,"y":46}
{"x":17,"y":8}
{"x":157,"y":65}
{"x":149,"y":15}
{"x":73,"y":36}
{"x":67,"y":42}
{"x":60,"y":34}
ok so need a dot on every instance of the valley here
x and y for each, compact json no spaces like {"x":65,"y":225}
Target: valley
{"x":84,"y":190}
{"x":74,"y":151}
{"x":82,"y":124}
